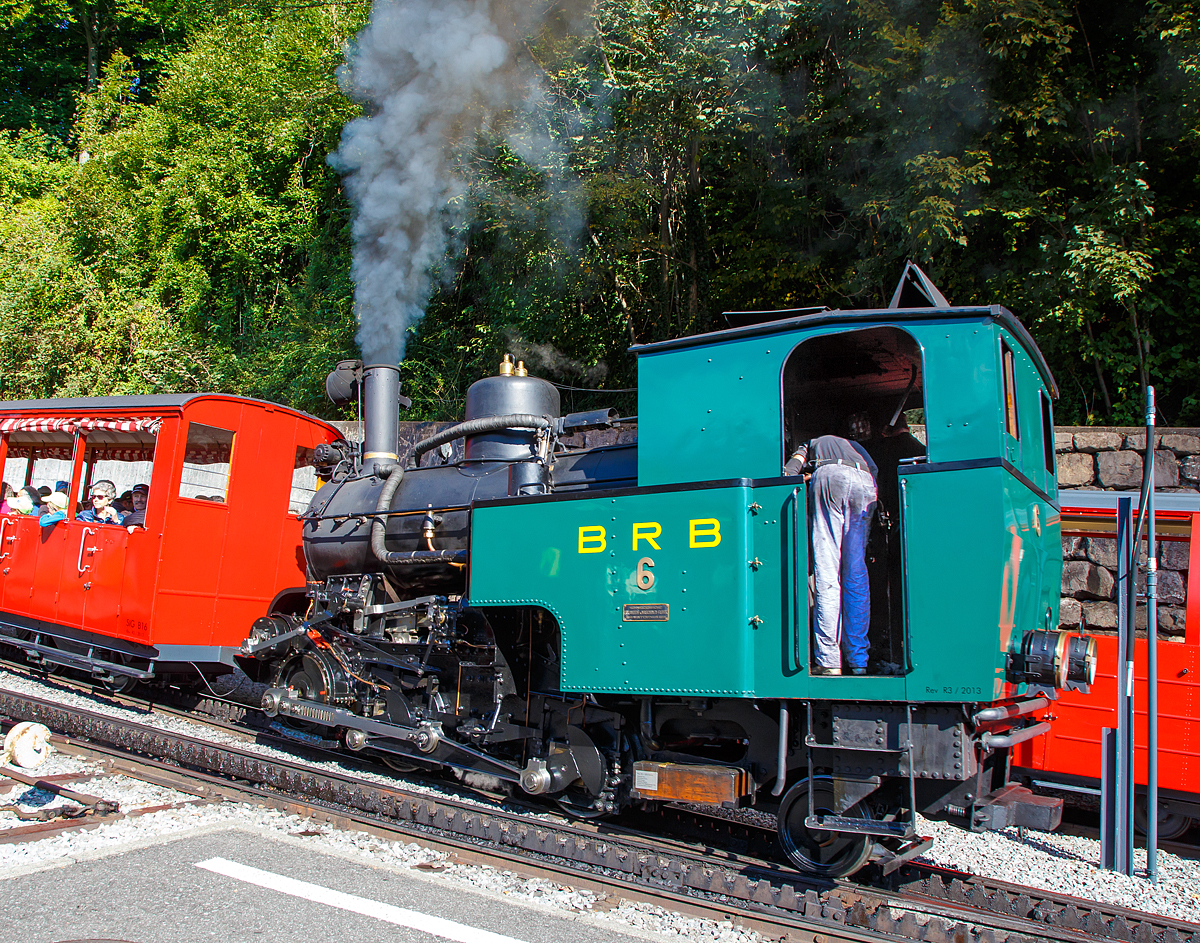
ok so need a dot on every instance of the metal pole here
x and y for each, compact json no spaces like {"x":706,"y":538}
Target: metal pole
{"x":1151,"y":654}
{"x":1108,"y":794}
{"x":1125,"y":789}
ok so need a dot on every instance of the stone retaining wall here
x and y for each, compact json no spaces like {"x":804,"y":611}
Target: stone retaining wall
{"x":1111,"y":459}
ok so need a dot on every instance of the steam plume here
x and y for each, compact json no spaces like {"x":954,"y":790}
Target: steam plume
{"x":433,"y":74}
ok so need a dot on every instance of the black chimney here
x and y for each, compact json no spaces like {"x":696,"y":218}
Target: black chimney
{"x":381,"y":414}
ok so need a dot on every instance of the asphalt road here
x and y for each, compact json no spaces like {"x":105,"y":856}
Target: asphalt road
{"x":235,"y":885}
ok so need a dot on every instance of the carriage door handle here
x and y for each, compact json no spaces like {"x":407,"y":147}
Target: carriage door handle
{"x":4,"y":522}
{"x":84,"y":549}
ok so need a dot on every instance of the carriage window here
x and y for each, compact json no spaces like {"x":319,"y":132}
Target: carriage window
{"x":15,"y":472}
{"x":52,"y":473}
{"x":125,"y":459}
{"x":1047,"y":432}
{"x":1010,"y":392}
{"x":304,"y":480}
{"x":42,"y":460}
{"x":206,"y":463}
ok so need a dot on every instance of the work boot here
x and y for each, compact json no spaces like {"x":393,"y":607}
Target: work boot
{"x":822,"y":670}
{"x":858,"y":671}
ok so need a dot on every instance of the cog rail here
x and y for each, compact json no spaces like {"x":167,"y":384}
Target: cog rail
{"x":925,"y":903}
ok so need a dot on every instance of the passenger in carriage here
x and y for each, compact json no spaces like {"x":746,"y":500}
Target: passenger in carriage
{"x":26,"y":501}
{"x":124,"y":504}
{"x":55,"y":509}
{"x":101,"y":510}
{"x":137,"y":518}
{"x":6,"y":492}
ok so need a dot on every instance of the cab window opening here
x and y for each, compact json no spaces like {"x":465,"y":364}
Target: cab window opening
{"x":873,"y":380}
{"x":1047,"y":432}
{"x":1011,"y":424}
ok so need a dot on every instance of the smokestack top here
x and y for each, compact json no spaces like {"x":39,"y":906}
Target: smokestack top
{"x":381,"y":413}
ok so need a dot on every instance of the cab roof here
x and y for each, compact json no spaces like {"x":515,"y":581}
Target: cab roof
{"x":791,"y":319}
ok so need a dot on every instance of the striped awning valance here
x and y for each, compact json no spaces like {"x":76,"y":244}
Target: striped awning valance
{"x":80,"y":424}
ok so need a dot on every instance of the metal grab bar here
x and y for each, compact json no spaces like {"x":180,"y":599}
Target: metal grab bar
{"x":82,"y":541}
{"x":1010,"y":711}
{"x":800,"y":624}
{"x":4,"y":522}
{"x":993,"y":741}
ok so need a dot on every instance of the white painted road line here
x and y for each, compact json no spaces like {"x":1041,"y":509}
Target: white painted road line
{"x":436,"y":926}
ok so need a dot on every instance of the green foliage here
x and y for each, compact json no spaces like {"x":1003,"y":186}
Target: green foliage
{"x":203,"y":241}
{"x":170,"y":220}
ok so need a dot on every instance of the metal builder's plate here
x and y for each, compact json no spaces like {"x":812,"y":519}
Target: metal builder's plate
{"x":646,"y":612}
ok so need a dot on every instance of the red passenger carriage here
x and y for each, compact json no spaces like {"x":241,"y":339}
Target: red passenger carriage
{"x":227,"y":480}
{"x":1069,"y":755}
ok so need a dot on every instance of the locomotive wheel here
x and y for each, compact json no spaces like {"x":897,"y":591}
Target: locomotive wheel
{"x":814,"y":851}
{"x":1171,"y":825}
{"x":310,"y":679}
{"x":399,"y":765}
{"x":576,"y":803}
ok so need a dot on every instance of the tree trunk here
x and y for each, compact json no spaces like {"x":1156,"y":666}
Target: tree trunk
{"x":1099,"y":373}
{"x":665,"y":240}
{"x":89,"y":22}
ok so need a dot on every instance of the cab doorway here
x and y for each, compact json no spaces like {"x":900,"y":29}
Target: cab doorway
{"x":871,"y":380}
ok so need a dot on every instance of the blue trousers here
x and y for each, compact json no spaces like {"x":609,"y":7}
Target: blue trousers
{"x":843,"y":503}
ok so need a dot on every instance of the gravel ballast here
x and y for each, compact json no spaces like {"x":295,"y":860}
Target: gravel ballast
{"x":1062,"y":863}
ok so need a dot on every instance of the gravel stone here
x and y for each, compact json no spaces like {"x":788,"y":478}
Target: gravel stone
{"x":126,"y":834}
{"x":1055,"y":862}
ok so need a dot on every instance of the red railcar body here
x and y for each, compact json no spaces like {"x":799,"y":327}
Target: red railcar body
{"x":227,"y":478}
{"x":1069,"y":755}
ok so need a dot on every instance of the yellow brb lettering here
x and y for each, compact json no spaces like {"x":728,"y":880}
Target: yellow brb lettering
{"x":591,"y":539}
{"x":704,"y":532}
{"x":647,"y":532}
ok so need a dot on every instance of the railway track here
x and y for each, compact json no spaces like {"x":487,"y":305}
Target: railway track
{"x":919,"y":902}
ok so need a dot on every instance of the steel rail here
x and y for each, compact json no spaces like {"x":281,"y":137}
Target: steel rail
{"x":921,"y":903}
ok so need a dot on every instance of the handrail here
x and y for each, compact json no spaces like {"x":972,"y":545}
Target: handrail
{"x":82,"y":541}
{"x":797,"y":536}
{"x":4,"y":522}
